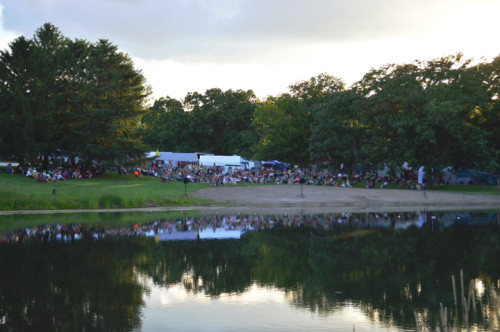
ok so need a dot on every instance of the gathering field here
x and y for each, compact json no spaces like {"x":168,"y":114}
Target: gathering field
{"x":128,"y":193}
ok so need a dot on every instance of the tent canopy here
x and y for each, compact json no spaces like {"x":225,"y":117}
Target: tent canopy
{"x":218,"y":160}
{"x":175,"y":156}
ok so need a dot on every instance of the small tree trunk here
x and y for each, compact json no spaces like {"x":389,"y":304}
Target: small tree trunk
{"x":355,"y":152}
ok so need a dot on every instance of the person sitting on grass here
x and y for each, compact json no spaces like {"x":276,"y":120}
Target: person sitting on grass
{"x":29,"y":173}
{"x":42,"y":177}
{"x":59,"y":176}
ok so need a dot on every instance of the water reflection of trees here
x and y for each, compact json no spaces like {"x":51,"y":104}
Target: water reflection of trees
{"x":390,"y":274}
{"x":82,"y":286}
{"x":322,"y":262}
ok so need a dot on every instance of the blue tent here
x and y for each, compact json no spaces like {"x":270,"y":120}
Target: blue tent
{"x":274,"y":164}
{"x":468,"y":175}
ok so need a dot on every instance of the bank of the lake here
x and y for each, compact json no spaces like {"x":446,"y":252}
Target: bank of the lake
{"x":113,"y":193}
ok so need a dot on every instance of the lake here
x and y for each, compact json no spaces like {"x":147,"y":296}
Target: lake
{"x":217,"y":271}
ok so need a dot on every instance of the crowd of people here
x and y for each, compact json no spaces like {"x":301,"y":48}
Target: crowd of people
{"x":54,"y":173}
{"x":219,"y":175}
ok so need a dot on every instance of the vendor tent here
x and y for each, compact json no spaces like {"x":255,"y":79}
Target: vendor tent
{"x":226,"y":161}
{"x":175,"y":157}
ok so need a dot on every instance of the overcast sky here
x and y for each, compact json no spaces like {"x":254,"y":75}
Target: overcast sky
{"x":184,"y":46}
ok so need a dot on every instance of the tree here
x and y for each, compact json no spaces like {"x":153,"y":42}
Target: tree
{"x":69,"y":98}
{"x":222,"y":121}
{"x":32,"y":94}
{"x":17,"y":127}
{"x":487,"y":115}
{"x":166,"y":126}
{"x":317,"y":89}
{"x":337,"y":132}
{"x":283,"y":128}
{"x":284,"y":123}
{"x":114,"y":103}
{"x":422,"y":114}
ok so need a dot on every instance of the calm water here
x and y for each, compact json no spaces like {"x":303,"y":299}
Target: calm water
{"x":226,"y":272}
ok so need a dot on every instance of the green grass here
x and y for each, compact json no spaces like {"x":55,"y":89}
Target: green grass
{"x":467,"y":188}
{"x":111,"y":191}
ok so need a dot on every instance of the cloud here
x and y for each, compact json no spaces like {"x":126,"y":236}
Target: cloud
{"x":218,"y":30}
{"x":264,"y":45}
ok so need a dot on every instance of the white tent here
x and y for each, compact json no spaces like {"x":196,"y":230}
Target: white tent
{"x":217,"y":160}
{"x":175,"y":157}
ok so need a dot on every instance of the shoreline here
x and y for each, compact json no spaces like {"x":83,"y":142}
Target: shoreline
{"x":310,"y":199}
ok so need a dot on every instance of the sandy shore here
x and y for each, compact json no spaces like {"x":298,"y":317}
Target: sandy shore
{"x":344,"y":199}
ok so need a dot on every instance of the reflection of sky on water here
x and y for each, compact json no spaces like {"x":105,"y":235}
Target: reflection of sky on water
{"x":257,"y":309}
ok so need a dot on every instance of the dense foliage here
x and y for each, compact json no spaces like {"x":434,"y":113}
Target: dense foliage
{"x":438,"y":113}
{"x":77,"y":99}
{"x":433,"y":114}
{"x":219,"y":122}
{"x":69,"y":98}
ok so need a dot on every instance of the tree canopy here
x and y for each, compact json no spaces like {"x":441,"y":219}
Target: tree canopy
{"x":428,"y":114}
{"x":219,"y":122}
{"x":73,"y":98}
{"x":69,"y":98}
{"x":284,"y":123}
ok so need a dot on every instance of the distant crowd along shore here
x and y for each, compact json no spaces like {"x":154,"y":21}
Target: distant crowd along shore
{"x":221,"y":176}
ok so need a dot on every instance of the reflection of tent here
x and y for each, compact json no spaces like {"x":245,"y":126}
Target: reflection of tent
{"x":219,"y":233}
{"x":176,"y":236}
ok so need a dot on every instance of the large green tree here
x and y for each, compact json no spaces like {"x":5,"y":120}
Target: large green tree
{"x":487,"y":115}
{"x":425,"y":114}
{"x":69,"y":98}
{"x":337,"y":131}
{"x":283,"y":128}
{"x":167,"y":127}
{"x":223,"y":120}
{"x":32,"y":94}
{"x":284,"y":123}
{"x":114,"y":104}
{"x":217,"y":121}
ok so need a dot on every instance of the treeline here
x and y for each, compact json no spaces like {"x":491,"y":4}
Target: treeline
{"x":439,"y":113}
{"x":73,"y":98}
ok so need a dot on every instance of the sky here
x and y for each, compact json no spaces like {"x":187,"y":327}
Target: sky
{"x":184,"y":46}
